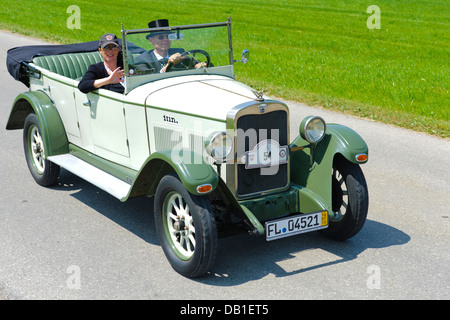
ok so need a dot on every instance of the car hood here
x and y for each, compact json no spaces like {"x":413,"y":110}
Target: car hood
{"x":208,"y":96}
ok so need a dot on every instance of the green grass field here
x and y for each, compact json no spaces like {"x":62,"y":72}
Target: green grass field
{"x":318,"y":52}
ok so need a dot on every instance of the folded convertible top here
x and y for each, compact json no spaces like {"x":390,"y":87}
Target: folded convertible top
{"x":16,"y":57}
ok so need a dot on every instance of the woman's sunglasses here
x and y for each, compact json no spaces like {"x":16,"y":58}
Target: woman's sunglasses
{"x":111,"y":48}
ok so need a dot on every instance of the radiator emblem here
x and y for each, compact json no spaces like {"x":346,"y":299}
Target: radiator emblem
{"x":262,"y":108}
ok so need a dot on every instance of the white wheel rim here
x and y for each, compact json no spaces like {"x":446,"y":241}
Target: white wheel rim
{"x":340,"y":214}
{"x":180,"y":225}
{"x":37,"y":150}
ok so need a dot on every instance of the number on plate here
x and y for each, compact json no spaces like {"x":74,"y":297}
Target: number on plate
{"x":297,"y":224}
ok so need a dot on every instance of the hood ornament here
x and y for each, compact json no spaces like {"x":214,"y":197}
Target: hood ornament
{"x":259,"y":95}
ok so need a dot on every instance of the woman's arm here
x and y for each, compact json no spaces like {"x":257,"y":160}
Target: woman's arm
{"x":94,"y":79}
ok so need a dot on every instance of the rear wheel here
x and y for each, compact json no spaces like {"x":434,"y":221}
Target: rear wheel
{"x":350,"y":200}
{"x":44,"y":172}
{"x":186,"y":228}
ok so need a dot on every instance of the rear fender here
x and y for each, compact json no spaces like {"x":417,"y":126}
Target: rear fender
{"x":52,"y":128}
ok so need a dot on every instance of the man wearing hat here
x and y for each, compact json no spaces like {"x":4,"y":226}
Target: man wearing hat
{"x":107,"y":74}
{"x":162,"y":54}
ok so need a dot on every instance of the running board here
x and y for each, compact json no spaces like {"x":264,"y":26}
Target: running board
{"x":88,"y":172}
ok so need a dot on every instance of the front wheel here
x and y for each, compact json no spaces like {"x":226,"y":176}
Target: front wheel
{"x":350,"y":200}
{"x":44,"y":172}
{"x":186,"y":228}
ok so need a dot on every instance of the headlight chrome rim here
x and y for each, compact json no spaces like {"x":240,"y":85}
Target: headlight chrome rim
{"x":215,"y":146}
{"x":310,"y":129}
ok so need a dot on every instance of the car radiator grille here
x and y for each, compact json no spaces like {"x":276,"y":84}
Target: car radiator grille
{"x":270,"y":125}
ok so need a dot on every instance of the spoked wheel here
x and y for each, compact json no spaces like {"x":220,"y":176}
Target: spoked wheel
{"x":350,"y":200}
{"x":44,"y":172}
{"x":186,"y":228}
{"x":179,"y":225}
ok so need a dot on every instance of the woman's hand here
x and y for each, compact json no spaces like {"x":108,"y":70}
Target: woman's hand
{"x":116,"y":76}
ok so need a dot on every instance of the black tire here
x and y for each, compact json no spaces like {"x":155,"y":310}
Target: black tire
{"x":44,"y":172}
{"x":350,"y":200}
{"x":186,"y":228}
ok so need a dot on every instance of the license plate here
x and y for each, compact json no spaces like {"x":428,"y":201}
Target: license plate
{"x":290,"y":226}
{"x":267,"y":153}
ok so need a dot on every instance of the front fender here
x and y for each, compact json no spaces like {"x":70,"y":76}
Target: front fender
{"x":190,"y":167}
{"x":52,"y":128}
{"x":347,"y":142}
{"x":312,"y":166}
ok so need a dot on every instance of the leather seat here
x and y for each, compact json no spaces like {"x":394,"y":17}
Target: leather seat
{"x":71,"y":65}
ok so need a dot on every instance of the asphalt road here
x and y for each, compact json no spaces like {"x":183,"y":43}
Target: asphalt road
{"x":74,"y":241}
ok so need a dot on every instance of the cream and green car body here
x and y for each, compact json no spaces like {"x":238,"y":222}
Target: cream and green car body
{"x":160,"y":134}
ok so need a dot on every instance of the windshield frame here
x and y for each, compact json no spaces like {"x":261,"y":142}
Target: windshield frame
{"x":133,"y":81}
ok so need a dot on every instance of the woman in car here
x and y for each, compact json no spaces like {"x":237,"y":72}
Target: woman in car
{"x":109,"y":73}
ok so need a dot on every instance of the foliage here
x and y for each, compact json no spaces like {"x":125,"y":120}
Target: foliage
{"x":318,"y":52}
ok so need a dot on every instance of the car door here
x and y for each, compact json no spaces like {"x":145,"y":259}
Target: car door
{"x":61,"y":92}
{"x":83,"y":108}
{"x":102,"y":124}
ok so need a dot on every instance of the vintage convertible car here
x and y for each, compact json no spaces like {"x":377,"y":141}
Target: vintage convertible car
{"x":215,"y":154}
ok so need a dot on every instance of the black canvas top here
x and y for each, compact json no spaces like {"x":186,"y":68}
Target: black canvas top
{"x":16,"y":56}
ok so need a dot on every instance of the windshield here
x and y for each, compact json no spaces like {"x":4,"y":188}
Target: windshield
{"x":151,"y":54}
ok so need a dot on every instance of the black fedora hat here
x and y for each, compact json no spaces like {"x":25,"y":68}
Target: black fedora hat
{"x":161,"y":23}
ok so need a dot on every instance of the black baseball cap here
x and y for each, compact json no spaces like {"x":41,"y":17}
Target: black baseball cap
{"x":108,"y":38}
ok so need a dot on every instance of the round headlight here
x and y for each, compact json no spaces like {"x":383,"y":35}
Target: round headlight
{"x":312,"y":129}
{"x":219,"y":145}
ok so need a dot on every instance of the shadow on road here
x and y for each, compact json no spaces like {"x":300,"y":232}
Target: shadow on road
{"x":135,"y":215}
{"x":240,"y":258}
{"x":246,"y":258}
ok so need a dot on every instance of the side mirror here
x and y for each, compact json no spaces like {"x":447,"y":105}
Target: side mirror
{"x":244,"y":57}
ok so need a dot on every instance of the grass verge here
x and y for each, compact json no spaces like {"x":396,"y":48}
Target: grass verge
{"x":318,"y":52}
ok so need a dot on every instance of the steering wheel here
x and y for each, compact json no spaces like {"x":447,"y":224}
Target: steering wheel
{"x":191,"y":60}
